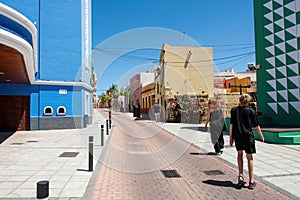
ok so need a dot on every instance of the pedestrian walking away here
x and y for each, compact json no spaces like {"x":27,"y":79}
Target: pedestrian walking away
{"x":243,"y":118}
{"x":157,"y":108}
{"x":216,"y":121}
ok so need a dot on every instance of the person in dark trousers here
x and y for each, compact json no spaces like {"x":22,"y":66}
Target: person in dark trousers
{"x":216,"y":121}
{"x":243,"y":118}
{"x":178,"y":112}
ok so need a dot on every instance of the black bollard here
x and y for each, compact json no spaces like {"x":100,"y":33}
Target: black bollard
{"x":102,"y":135}
{"x":91,"y":142}
{"x":42,"y":189}
{"x":109,"y":119}
{"x":107,"y":127}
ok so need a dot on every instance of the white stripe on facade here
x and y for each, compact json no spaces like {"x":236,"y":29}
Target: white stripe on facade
{"x":21,"y":45}
{"x":26,"y":23}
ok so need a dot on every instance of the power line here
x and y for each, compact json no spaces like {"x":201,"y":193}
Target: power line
{"x":220,"y":45}
{"x":154,"y":60}
{"x":216,"y":59}
{"x":236,"y":49}
{"x":229,"y":45}
{"x":127,"y":56}
{"x":245,"y":57}
{"x":125,"y":53}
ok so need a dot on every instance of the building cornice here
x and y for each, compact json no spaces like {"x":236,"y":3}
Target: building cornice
{"x":61,"y":83}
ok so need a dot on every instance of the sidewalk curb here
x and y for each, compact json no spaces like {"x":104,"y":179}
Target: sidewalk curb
{"x":88,"y":194}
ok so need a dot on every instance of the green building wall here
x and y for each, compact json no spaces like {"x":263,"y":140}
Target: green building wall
{"x":277,"y":41}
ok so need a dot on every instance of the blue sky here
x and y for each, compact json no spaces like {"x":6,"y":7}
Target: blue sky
{"x":225,"y":25}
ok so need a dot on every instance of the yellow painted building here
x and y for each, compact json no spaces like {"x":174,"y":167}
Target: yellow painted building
{"x":148,"y":97}
{"x":185,"y":74}
{"x":184,"y":71}
{"x":233,"y":84}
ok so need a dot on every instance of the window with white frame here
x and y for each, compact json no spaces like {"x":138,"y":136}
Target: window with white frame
{"x":61,"y":110}
{"x":48,"y":110}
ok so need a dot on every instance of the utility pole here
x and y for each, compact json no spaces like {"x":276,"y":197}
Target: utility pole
{"x":187,"y":59}
{"x":239,"y":86}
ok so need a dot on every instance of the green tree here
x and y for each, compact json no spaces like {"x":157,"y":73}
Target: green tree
{"x":105,"y":99}
{"x":124,"y":92}
{"x":113,"y":89}
{"x":114,"y":94}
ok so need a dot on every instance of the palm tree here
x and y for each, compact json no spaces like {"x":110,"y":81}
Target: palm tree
{"x":114,"y":94}
{"x":113,"y":89}
{"x":125,"y":93}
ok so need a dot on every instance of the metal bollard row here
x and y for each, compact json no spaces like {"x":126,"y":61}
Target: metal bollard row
{"x":42,"y":191}
{"x":91,"y":144}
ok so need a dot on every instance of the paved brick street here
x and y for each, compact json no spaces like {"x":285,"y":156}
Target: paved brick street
{"x":135,"y":157}
{"x":129,"y":164}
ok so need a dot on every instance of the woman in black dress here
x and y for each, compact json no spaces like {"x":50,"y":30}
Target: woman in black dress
{"x":216,"y":121}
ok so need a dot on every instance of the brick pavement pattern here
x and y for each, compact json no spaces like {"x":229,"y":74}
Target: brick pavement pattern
{"x":139,"y":150}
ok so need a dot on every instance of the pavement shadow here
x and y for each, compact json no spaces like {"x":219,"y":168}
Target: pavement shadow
{"x":222,"y":183}
{"x":82,"y":170}
{"x":189,"y":127}
{"x":5,"y":135}
{"x":202,"y":129}
{"x":204,"y":154}
{"x":139,"y":118}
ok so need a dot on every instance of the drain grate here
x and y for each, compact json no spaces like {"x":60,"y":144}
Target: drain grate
{"x":16,"y":143}
{"x":69,"y":154}
{"x":32,"y":141}
{"x":213,"y":172}
{"x":171,"y":173}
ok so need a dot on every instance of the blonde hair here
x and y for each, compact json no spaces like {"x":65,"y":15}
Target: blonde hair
{"x":245,"y":100}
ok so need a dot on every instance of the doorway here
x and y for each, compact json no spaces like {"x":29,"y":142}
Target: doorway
{"x":14,"y":113}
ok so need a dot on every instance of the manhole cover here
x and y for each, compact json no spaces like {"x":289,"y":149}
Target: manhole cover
{"x":171,"y":173}
{"x":213,"y":172}
{"x":69,"y":154}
